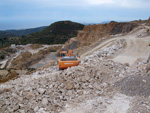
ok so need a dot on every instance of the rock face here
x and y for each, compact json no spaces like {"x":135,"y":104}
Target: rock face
{"x":92,"y":33}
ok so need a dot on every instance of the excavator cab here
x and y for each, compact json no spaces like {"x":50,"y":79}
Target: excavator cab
{"x":63,"y":54}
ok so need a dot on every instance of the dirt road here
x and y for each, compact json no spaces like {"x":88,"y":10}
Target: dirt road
{"x":137,"y":48}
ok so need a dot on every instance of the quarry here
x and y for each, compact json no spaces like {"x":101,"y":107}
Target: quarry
{"x":113,"y":75}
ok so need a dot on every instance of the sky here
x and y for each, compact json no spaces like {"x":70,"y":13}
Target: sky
{"x":22,"y":14}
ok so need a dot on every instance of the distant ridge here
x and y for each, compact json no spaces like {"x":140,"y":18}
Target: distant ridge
{"x":4,"y":34}
{"x":23,"y":32}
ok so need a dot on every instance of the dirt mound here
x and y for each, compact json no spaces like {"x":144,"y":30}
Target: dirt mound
{"x":6,"y":52}
{"x":22,"y":60}
{"x":6,"y":75}
{"x":26,"y":59}
{"x":135,"y":85}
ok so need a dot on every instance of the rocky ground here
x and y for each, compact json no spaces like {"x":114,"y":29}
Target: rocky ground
{"x":23,"y":59}
{"x":97,"y":85}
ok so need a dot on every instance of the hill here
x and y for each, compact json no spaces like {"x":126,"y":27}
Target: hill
{"x":25,"y":31}
{"x":58,"y":32}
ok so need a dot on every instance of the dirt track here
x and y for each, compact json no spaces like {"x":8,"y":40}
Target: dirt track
{"x":136,"y":49}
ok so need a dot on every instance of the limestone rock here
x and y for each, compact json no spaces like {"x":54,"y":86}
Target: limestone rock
{"x":36,"y":109}
{"x":80,"y":92}
{"x":44,"y":101}
{"x":41,"y":90}
{"x":3,"y":72}
{"x":69,"y":85}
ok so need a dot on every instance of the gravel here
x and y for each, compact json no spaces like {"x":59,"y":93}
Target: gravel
{"x":135,"y":85}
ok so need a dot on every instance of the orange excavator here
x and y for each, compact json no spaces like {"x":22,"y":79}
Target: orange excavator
{"x":67,"y":59}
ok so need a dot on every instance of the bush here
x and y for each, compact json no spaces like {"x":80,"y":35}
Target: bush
{"x":2,"y":55}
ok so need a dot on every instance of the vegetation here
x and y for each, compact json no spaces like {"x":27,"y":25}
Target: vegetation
{"x":56,"y":33}
{"x":26,"y":31}
{"x":4,"y":34}
{"x":2,"y":55}
{"x":7,"y":41}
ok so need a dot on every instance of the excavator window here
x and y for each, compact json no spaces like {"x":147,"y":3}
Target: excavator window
{"x":69,"y":58}
{"x":63,"y":54}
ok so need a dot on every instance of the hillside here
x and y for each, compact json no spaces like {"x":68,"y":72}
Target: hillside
{"x":9,"y":37}
{"x":4,"y":34}
{"x":26,"y":31}
{"x":92,"y":35}
{"x":58,"y":32}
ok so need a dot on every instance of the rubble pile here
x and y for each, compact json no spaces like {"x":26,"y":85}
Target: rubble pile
{"x":50,"y":90}
{"x":115,"y":47}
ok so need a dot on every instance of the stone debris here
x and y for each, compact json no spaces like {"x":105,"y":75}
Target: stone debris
{"x":116,"y":47}
{"x":41,"y":90}
{"x":50,"y":90}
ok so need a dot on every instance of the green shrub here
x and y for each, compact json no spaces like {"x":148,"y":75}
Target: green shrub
{"x":2,"y":55}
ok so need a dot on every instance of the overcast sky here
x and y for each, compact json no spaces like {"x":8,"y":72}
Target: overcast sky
{"x":19,"y":14}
